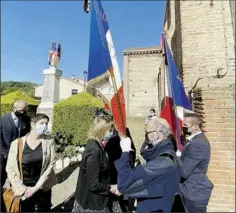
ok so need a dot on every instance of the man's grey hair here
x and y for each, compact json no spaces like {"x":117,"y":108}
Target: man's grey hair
{"x":162,"y":126}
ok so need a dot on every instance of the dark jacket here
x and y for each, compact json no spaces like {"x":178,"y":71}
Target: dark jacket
{"x":153,"y":184}
{"x":193,"y":163}
{"x":114,"y":153}
{"x":93,"y":181}
{"x":9,"y":131}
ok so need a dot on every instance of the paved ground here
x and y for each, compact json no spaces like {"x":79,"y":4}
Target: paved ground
{"x":62,"y":193}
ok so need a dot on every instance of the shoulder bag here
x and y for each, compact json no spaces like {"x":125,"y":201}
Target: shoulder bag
{"x":12,"y":202}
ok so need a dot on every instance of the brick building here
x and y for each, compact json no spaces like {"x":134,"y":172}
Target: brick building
{"x":140,"y":70}
{"x":202,"y":39}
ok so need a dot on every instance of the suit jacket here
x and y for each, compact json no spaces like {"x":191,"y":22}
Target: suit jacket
{"x":47,"y":178}
{"x":154,"y":184}
{"x":93,"y":185}
{"x":9,"y":131}
{"x":193,"y":163}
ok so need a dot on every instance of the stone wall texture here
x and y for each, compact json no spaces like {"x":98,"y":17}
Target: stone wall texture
{"x":140,"y":80}
{"x":201,"y":37}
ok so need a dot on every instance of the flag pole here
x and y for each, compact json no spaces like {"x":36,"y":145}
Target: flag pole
{"x":179,"y":146}
{"x":86,"y":7}
{"x":123,"y":127}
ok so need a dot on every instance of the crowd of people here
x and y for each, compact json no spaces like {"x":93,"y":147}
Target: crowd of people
{"x":110,"y":179}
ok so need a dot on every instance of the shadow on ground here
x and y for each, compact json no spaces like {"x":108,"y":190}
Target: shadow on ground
{"x":65,"y":206}
{"x":65,"y":173}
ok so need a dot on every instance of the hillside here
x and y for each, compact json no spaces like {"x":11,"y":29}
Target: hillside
{"x":12,"y":86}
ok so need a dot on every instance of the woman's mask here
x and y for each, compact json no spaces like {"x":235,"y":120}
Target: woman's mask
{"x":41,"y":129}
{"x":108,"y":135}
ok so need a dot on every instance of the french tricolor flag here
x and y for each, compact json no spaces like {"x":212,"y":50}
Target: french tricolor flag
{"x":176,"y":100}
{"x":103,"y":65}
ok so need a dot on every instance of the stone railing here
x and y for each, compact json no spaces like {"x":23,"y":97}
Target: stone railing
{"x":66,"y":161}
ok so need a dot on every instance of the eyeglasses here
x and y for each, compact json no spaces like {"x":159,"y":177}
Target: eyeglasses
{"x":150,"y":132}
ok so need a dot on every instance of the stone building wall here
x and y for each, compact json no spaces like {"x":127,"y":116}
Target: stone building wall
{"x":201,"y":37}
{"x":141,"y":66}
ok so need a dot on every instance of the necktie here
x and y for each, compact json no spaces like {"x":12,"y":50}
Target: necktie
{"x":19,"y":126}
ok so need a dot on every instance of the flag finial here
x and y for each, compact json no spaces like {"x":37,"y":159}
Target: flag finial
{"x":86,"y":6}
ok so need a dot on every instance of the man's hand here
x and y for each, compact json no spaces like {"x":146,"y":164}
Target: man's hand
{"x":125,"y":144}
{"x":30,"y":191}
{"x":114,"y":190}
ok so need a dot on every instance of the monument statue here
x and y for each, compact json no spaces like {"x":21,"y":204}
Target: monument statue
{"x":54,"y":55}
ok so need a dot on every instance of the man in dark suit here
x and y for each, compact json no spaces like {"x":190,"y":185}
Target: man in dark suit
{"x":195,"y":186}
{"x":13,"y":125}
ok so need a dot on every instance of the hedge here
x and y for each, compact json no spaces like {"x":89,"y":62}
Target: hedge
{"x":72,"y":118}
{"x":10,"y":98}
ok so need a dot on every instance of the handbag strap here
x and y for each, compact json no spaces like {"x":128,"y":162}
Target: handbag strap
{"x":20,"y":153}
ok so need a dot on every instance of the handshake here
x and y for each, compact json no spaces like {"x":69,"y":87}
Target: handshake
{"x":114,"y":190}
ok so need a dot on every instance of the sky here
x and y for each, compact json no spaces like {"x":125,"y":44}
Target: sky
{"x":29,"y":27}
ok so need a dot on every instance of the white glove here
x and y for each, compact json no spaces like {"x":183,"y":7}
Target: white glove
{"x":125,"y":144}
{"x":178,"y":153}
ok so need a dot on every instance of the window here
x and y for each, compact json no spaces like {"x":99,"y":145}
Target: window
{"x":74,"y":91}
{"x":197,"y":104}
{"x":181,"y":74}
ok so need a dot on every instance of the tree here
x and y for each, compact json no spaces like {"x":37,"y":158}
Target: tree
{"x":12,"y":86}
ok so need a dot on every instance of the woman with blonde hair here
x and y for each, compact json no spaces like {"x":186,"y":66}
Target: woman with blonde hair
{"x":32,"y":175}
{"x":93,"y":186}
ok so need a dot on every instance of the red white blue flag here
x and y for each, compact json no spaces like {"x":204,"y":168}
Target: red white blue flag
{"x":103,"y":63}
{"x":176,"y":100}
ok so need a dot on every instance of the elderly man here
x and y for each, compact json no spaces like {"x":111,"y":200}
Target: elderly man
{"x":13,"y":125}
{"x":155,"y":183}
{"x":195,"y":187}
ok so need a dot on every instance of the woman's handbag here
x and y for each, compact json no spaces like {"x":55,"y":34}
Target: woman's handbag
{"x":12,"y":202}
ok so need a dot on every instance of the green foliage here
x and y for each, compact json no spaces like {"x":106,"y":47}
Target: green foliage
{"x":61,"y":141}
{"x":72,"y":118}
{"x":14,"y":96}
{"x":12,"y":86}
{"x":69,"y":151}
{"x":10,"y":98}
{"x":9,"y":90}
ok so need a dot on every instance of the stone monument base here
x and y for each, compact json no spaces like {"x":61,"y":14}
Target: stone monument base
{"x":50,"y":94}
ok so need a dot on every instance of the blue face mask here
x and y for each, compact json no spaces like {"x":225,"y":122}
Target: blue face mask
{"x":41,"y":129}
{"x":108,"y":136}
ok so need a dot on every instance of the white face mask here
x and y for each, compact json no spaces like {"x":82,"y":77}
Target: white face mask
{"x":41,"y":129}
{"x":152,"y":114}
{"x":155,"y":141}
